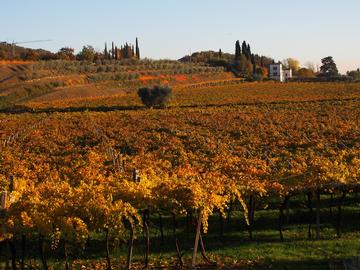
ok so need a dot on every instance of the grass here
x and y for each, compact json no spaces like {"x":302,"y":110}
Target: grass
{"x":234,"y":249}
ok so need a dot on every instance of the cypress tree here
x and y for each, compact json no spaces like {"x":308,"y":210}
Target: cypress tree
{"x":116,"y":53}
{"x":126,"y":49}
{"x":253,"y":62}
{"x":248,"y":51}
{"x":105,"y":51}
{"x":237,"y":50}
{"x":112,"y":50}
{"x":244,"y":48}
{"x":137,"y":49}
{"x":220,"y":54}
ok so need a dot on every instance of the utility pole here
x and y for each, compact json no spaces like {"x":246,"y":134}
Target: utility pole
{"x":13,"y":44}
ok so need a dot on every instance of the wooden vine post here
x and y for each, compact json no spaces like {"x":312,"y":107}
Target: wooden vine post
{"x":4,"y":196}
{"x":161,"y":227}
{"x":66,"y":257}
{"x":130,"y":247}
{"x":221,"y":225}
{"x":136,"y":177}
{"x":197,"y":237}
{"x":283,"y":206}
{"x":318,"y":214}
{"x":108,"y":261}
{"x":339,"y":214}
{"x":41,"y":243}
{"x":311,"y":213}
{"x":146,"y":214}
{"x":178,"y":252}
{"x":251,"y":215}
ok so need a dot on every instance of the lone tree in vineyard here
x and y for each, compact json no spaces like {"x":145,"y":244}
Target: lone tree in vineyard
{"x":328,"y":68}
{"x":155,"y":97}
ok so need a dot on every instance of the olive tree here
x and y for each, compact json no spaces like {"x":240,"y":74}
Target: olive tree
{"x":155,"y":97}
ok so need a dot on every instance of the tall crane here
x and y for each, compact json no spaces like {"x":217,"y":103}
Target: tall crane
{"x":13,"y":44}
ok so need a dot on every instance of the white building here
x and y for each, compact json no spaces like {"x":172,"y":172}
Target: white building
{"x":278,"y":73}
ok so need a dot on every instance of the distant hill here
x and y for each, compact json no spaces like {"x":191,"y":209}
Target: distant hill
{"x":243,"y":63}
{"x":206,"y":56}
{"x":216,"y":59}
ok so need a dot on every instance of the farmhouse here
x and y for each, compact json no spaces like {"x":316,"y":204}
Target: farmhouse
{"x":278,"y":73}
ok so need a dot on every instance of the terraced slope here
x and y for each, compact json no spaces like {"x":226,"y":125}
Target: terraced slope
{"x":48,"y":84}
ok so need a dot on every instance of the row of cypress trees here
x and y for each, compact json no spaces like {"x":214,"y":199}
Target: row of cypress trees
{"x":127,"y":51}
{"x":246,"y":62}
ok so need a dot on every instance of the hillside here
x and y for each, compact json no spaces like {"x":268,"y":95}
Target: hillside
{"x":48,"y":82}
{"x":12,"y":72}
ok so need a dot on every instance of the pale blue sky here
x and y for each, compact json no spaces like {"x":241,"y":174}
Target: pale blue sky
{"x":307,"y":29}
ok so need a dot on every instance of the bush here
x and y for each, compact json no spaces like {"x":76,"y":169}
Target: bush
{"x":156,"y":97}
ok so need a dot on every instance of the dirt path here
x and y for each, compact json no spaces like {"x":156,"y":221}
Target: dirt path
{"x":211,"y":83}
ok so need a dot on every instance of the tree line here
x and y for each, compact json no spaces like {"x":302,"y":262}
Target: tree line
{"x":126,"y":51}
{"x":87,"y":53}
{"x":245,"y":63}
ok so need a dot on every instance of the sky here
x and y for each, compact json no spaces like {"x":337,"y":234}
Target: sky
{"x":307,"y":30}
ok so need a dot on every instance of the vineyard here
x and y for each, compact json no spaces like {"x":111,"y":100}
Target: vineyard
{"x":35,"y":83}
{"x":230,"y":176}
